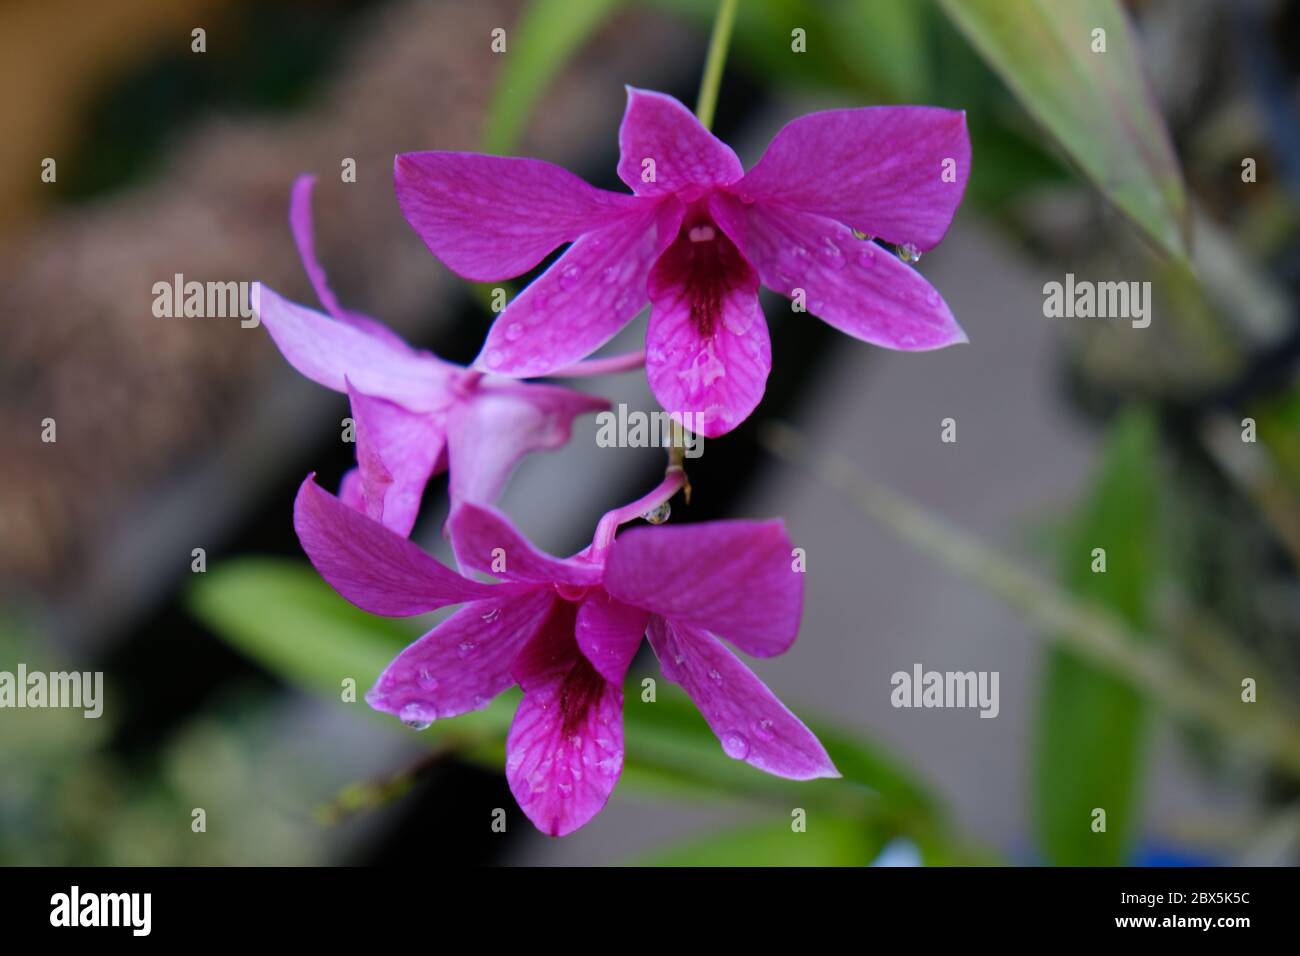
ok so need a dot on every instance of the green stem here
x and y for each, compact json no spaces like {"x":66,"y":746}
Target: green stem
{"x":1107,"y":641}
{"x":720,"y":39}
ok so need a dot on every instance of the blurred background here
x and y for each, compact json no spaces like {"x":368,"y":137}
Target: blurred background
{"x":1171,"y":155}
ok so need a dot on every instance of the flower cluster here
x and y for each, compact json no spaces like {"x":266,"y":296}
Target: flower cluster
{"x":694,"y":240}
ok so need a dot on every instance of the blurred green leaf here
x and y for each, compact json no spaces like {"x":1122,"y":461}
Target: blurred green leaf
{"x":548,"y":33}
{"x":1097,"y":105}
{"x":828,"y":841}
{"x":1091,"y":724}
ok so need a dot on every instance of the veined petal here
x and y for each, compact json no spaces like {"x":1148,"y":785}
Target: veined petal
{"x":489,"y":431}
{"x":734,"y":578}
{"x":494,"y":217}
{"x":462,"y":663}
{"x":583,"y":299}
{"x":331,"y":353}
{"x":851,"y":284}
{"x":397,"y":452}
{"x":747,"y":718}
{"x":485,"y":540}
{"x":374,"y":568}
{"x":664,"y":149}
{"x":609,"y":633}
{"x":300,"y":223}
{"x":564,"y":752}
{"x":897,"y":172}
{"x":708,"y":353}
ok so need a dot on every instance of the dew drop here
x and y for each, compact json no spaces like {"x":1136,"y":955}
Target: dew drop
{"x":735,"y":745}
{"x":909,"y":253}
{"x":867,"y":257}
{"x":495,"y":358}
{"x":831,"y":253}
{"x":610,"y":275}
{"x":415,"y":716}
{"x":715,"y":676}
{"x":659,"y":513}
{"x":490,"y":617}
{"x":569,"y":277}
{"x":859,"y":234}
{"x":763,"y":729}
{"x":514,"y":331}
{"x":465,"y":649}
{"x":427,"y":680}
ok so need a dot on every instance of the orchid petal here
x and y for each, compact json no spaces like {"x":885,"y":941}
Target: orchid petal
{"x":495,"y":217}
{"x":708,"y":353}
{"x":485,"y":540}
{"x":502,"y":421}
{"x":462,"y":663}
{"x":664,"y":148}
{"x":375,"y":568}
{"x":578,"y":304}
{"x":734,"y":578}
{"x":331,"y":353}
{"x":565,"y":747}
{"x":397,"y":452}
{"x":848,"y":283}
{"x":897,"y":172}
{"x":609,"y":633}
{"x":752,"y":724}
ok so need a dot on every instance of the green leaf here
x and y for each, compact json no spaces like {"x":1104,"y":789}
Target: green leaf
{"x":1091,"y":727}
{"x":828,"y":841}
{"x":548,"y":33}
{"x":1098,"y":106}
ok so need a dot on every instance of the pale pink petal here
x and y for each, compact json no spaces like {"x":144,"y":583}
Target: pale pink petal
{"x":374,"y":568}
{"x":495,"y":217}
{"x":734,"y":578}
{"x":485,"y":540}
{"x":462,"y":663}
{"x":707,"y":348}
{"x":300,"y":222}
{"x":897,"y":172}
{"x":499,"y":423}
{"x":564,"y":752}
{"x":751,"y":723}
{"x":609,"y":633}
{"x":659,"y":130}
{"x":851,"y":284}
{"x":396,"y":454}
{"x":583,"y":299}
{"x":330,"y":353}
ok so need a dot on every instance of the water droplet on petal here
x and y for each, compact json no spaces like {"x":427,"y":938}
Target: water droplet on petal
{"x":715,"y":676}
{"x":569,"y":276}
{"x":659,"y":513}
{"x":495,"y":358}
{"x":867,"y":257}
{"x":909,"y":253}
{"x":427,"y":680}
{"x":735,"y":745}
{"x":831,"y":253}
{"x":415,"y":716}
{"x":763,"y":729}
{"x":491,"y":616}
{"x":514,"y":331}
{"x":610,"y":275}
{"x":859,"y":234}
{"x":465,"y":649}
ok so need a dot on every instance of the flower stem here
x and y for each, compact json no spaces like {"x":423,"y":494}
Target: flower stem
{"x":673,"y":481}
{"x":603,"y":366}
{"x":719,"y":40}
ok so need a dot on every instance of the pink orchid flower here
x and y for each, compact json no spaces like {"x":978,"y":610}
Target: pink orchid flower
{"x":413,"y":413}
{"x":698,"y":237}
{"x":566,"y":631}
